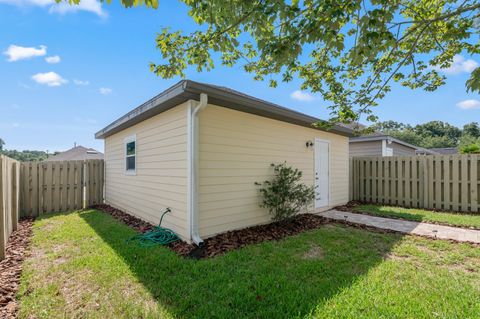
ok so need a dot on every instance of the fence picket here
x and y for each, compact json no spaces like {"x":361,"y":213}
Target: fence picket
{"x":464,"y":183}
{"x":474,"y":183}
{"x":446,"y":183}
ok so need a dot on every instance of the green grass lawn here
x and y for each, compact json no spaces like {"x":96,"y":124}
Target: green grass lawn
{"x":81,"y":267}
{"x":420,"y":215}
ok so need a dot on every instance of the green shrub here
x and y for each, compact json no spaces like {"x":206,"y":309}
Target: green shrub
{"x":285,"y":195}
{"x":470,"y":149}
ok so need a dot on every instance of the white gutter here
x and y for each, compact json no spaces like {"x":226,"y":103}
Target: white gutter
{"x":193,"y":167}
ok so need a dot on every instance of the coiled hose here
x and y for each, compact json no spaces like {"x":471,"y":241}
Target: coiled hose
{"x":158,"y":236}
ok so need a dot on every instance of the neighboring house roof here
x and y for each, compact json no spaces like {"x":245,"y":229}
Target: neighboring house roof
{"x":370,"y":138}
{"x":189,"y":90}
{"x":445,"y":150}
{"x":425,"y":151}
{"x":76,"y":153}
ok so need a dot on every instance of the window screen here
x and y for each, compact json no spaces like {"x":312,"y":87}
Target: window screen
{"x":130,"y":152}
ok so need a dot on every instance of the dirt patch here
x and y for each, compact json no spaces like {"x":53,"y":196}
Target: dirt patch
{"x":392,"y":256}
{"x":11,"y":267}
{"x":315,"y":252}
{"x":78,"y":289}
{"x":231,"y":240}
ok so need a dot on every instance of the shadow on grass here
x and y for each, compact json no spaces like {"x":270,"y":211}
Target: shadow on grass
{"x":289,"y":278}
{"x":388,"y":212}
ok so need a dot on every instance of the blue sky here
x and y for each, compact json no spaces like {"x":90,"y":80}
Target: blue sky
{"x":66,"y":72}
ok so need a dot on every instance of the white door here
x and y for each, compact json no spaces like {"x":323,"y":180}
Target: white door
{"x":322,"y":173}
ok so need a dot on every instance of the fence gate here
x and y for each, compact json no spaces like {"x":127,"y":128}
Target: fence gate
{"x":60,"y":186}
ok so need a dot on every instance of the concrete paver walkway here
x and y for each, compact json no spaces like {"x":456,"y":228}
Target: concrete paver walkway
{"x":407,"y":227}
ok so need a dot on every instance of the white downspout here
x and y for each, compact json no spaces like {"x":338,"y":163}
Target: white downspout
{"x":194,"y":235}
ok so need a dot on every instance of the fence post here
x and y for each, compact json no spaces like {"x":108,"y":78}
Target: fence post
{"x":15,"y":194}
{"x":85,"y":184}
{"x":3,"y":235}
{"x":350,"y":178}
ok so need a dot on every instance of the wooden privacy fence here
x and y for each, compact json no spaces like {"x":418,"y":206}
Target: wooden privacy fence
{"x":9,"y":199}
{"x":448,"y":182}
{"x":60,"y":186}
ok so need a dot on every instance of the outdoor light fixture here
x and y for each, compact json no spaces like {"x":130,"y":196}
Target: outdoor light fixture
{"x":309,"y":144}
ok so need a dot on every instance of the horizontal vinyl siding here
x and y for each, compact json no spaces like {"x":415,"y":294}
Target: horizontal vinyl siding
{"x":236,"y":150}
{"x":161,"y":179}
{"x":402,"y":150}
{"x":369,"y":148}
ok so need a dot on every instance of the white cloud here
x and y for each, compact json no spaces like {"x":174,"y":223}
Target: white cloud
{"x":469,"y":104}
{"x":24,"y":3}
{"x":49,"y":78}
{"x":52,"y":59}
{"x":92,"y":6}
{"x":16,"y":52}
{"x":302,"y":96}
{"x":460,"y":65}
{"x":105,"y":91}
{"x":81,"y":82}
{"x":87,"y":120}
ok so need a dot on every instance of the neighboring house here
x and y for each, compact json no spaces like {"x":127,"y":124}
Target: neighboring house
{"x":445,"y":150}
{"x":76,"y":153}
{"x":425,"y":151}
{"x":379,"y":144}
{"x":199,"y":149}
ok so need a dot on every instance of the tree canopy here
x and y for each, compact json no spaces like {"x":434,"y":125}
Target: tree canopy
{"x":434,"y":134}
{"x":23,"y":156}
{"x":349,"y":51}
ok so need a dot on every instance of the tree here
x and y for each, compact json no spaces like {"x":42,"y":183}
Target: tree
{"x":390,"y":126}
{"x":2,"y":142}
{"x":471,"y":129}
{"x":432,"y":134}
{"x":26,"y":156}
{"x":350,"y":51}
{"x":438,"y":129}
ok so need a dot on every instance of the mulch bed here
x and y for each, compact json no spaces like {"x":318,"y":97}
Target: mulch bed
{"x":11,"y":267}
{"x":222,"y":243}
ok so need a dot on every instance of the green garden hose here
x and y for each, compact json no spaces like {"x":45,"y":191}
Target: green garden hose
{"x":158,"y":236}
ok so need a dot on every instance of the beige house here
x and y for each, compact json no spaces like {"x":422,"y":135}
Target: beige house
{"x":199,"y":149}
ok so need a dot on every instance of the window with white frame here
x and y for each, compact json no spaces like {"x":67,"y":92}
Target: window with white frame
{"x":130,"y":155}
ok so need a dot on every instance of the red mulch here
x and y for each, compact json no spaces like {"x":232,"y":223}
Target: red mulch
{"x":231,"y":240}
{"x":11,"y":267}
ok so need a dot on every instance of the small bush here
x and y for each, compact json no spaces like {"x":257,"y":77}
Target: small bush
{"x":470,"y":149}
{"x":285,"y":195}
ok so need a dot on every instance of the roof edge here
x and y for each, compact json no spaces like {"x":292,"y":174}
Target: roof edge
{"x":186,"y":90}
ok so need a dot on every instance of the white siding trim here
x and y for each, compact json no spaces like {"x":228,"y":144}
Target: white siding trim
{"x":328,"y":174}
{"x":190,"y":201}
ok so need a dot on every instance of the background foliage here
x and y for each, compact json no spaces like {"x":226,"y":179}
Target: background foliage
{"x":23,"y":156}
{"x":433,"y":134}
